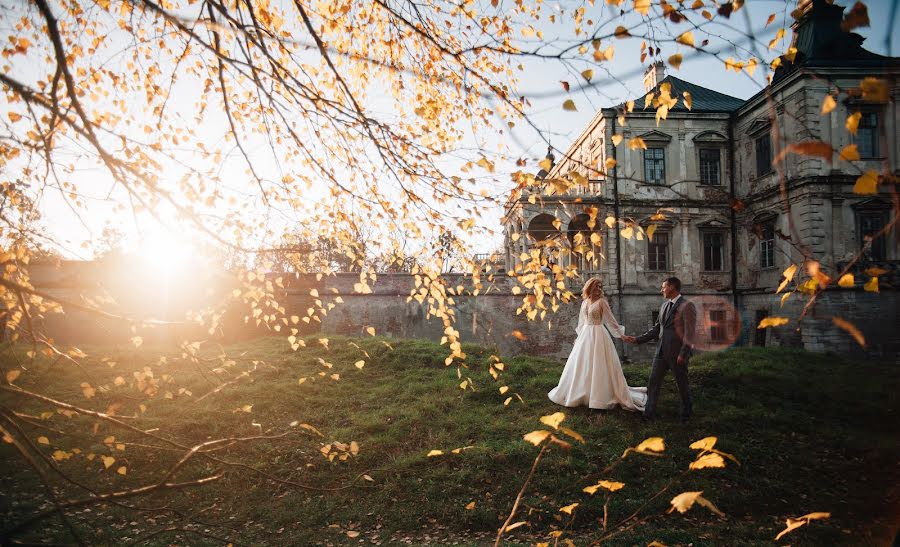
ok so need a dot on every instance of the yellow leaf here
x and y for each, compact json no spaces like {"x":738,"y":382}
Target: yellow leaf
{"x":653,"y":444}
{"x":504,"y":389}
{"x":616,"y":139}
{"x":434,"y":453}
{"x":867,"y":183}
{"x":687,"y":39}
{"x":14,"y":117}
{"x":850,"y":153}
{"x":637,"y":142}
{"x":108,"y":461}
{"x":871,"y":285}
{"x":43,"y":440}
{"x":537,"y":437}
{"x":704,"y":444}
{"x":656,"y":543}
{"x":675,"y":61}
{"x":587,"y":74}
{"x":12,"y":375}
{"x":137,"y":341}
{"x":793,"y":524}
{"x":852,"y":123}
{"x":87,"y":390}
{"x":575,"y":435}
{"x":688,"y":100}
{"x":874,"y":90}
{"x":610,"y":163}
{"x":60,"y":455}
{"x":553,"y":420}
{"x":122,"y":470}
{"x":642,"y":6}
{"x":708,"y":460}
{"x":828,"y":104}
{"x":847,"y":281}
{"x":684,"y":501}
{"x":850,"y":328}
{"x":788,"y":275}
{"x":612,"y":486}
{"x":568,"y":508}
{"x":470,"y":506}
{"x":650,"y":231}
{"x":569,"y":106}
{"x":621,"y":32}
{"x":359,"y":364}
{"x":772,"y":322}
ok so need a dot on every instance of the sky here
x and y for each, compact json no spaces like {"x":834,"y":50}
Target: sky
{"x":541,"y":83}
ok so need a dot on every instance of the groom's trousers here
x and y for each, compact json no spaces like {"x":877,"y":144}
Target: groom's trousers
{"x":657,"y":373}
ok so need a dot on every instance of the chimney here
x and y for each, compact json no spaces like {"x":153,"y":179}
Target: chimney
{"x":654,"y":74}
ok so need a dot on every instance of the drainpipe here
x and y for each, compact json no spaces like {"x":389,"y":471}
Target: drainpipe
{"x":733,"y":214}
{"x":616,"y":231}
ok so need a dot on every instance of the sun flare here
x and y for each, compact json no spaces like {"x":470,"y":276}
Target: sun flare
{"x":165,"y":253}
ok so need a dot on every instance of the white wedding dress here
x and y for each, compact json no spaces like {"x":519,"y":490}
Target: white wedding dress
{"x":593,"y":374}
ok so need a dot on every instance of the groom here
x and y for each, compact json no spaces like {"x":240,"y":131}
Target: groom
{"x":675,"y":331}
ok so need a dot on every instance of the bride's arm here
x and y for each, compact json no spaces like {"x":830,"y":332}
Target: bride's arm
{"x":609,"y":319}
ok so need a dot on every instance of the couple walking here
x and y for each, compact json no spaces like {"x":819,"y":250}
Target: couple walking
{"x":593,"y":375}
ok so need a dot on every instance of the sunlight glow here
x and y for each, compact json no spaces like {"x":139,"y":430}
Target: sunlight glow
{"x":165,"y":253}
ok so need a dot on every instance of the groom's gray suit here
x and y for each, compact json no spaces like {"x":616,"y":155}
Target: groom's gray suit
{"x":674,"y":326}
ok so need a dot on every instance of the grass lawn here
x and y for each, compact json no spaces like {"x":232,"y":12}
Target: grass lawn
{"x":812,"y":433}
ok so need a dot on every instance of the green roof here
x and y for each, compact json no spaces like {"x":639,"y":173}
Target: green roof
{"x":702,"y":99}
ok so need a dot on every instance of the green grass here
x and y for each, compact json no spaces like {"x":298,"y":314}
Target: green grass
{"x":812,"y":433}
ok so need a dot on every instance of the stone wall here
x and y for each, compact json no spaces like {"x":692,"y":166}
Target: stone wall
{"x":488,"y":319}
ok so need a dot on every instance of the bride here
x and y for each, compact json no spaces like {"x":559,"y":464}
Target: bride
{"x":593,"y":375}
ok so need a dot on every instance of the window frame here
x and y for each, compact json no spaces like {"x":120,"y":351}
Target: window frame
{"x":700,"y":165}
{"x":653,"y":257}
{"x":875,"y":152}
{"x":718,"y":326}
{"x":769,"y":168}
{"x":660,"y":161}
{"x":878,"y":249}
{"x":767,"y":244}
{"x":722,"y":249}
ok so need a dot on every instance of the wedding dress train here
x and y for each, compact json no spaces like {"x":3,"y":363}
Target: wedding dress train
{"x":593,"y":374}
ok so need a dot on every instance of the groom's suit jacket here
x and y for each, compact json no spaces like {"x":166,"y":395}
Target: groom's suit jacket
{"x":672,"y":331}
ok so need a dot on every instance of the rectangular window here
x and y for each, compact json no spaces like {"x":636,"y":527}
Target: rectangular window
{"x":654,"y":166}
{"x":763,"y":155}
{"x":870,"y":223}
{"x":658,"y":252}
{"x":767,"y":245}
{"x":713,"y":251}
{"x":866,"y":138}
{"x":709,"y":166}
{"x":760,"y":339}
{"x":717,"y":326}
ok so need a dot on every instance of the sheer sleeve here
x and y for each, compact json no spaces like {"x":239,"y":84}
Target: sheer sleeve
{"x":582,"y":317}
{"x":609,"y":320}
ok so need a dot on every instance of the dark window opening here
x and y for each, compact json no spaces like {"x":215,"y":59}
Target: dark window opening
{"x":763,"y":155}
{"x":658,"y":252}
{"x":709,"y":166}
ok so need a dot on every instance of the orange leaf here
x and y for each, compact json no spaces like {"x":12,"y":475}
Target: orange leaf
{"x":851,"y":328}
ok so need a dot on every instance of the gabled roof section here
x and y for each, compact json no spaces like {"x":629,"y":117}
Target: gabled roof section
{"x":703,"y":99}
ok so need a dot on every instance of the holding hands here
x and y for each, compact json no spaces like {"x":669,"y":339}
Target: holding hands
{"x":629,"y":339}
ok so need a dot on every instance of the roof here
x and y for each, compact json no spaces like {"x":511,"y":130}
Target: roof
{"x":702,"y":99}
{"x":822,"y":39}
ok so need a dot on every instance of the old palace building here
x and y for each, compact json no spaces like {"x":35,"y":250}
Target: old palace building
{"x":730,"y":210}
